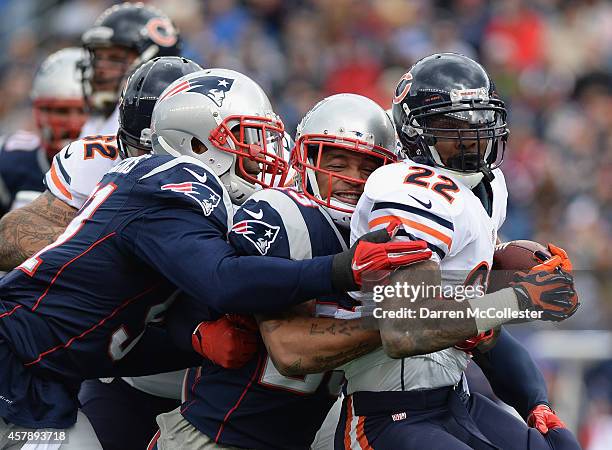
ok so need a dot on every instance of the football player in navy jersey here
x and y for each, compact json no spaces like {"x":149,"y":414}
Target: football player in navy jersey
{"x":157,"y":225}
{"x":279,"y":399}
{"x":57,"y":103}
{"x":122,"y":410}
{"x":257,"y":406}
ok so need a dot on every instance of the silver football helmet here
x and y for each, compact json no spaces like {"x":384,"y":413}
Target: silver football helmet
{"x":346,"y":122}
{"x":57,"y":98}
{"x":224,"y":119}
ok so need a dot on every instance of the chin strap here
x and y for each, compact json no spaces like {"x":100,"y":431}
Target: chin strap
{"x":488,"y":173}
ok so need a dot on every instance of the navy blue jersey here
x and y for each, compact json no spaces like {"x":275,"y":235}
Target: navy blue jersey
{"x":154,"y":225}
{"x":255,"y":406}
{"x":23,"y":163}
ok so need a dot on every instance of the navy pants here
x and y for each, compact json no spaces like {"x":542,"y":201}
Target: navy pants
{"x":437,"y":419}
{"x":123,"y":417}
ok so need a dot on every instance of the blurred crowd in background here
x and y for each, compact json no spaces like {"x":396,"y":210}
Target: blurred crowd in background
{"x":551,"y":61}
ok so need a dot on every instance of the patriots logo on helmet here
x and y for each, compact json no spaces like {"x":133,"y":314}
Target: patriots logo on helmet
{"x":202,"y":194}
{"x":212,"y":87}
{"x":259,"y":233}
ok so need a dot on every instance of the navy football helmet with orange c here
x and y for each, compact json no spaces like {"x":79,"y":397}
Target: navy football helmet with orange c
{"x":123,"y":37}
{"x":448,"y":100}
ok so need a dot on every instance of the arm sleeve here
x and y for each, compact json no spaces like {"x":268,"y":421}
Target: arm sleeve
{"x":191,"y":251}
{"x":513,"y":375}
{"x":183,"y":317}
{"x":155,"y":353}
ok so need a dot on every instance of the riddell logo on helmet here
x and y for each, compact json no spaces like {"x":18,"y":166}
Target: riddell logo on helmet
{"x":469,"y":94}
{"x":212,"y":87}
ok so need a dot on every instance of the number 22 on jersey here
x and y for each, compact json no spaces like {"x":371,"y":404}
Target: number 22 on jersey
{"x":423,"y":177}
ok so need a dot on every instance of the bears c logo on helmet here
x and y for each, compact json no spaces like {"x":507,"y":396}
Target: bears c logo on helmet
{"x":404,"y":84}
{"x":214,"y":88}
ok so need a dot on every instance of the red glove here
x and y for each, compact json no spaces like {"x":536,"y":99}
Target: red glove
{"x":229,"y":342}
{"x":469,"y":344}
{"x":543,"y":418}
{"x":375,"y":253}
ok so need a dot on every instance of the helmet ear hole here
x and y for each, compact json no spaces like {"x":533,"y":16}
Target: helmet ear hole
{"x":198,"y":146}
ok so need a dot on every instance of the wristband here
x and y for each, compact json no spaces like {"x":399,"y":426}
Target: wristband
{"x":502,"y":300}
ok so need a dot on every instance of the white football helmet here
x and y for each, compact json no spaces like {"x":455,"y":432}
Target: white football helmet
{"x":224,"y":119}
{"x":348,"y":122}
{"x":57,"y":99}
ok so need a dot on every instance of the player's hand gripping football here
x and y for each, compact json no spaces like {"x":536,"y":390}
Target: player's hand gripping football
{"x":544,"y":419}
{"x":374,"y":252}
{"x":548,"y":287}
{"x":230,"y":341}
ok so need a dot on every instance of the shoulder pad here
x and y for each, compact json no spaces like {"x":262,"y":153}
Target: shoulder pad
{"x":427,"y":202}
{"x":79,"y":166}
{"x":187,"y":181}
{"x":21,"y":141}
{"x":277,"y":217}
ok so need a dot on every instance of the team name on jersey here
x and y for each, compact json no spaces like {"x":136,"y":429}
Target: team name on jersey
{"x":127,"y":165}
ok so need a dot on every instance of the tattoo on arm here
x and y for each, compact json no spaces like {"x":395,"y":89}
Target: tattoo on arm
{"x":421,"y":335}
{"x":300,"y":344}
{"x":296,"y":367}
{"x":27,"y":230}
{"x":346,"y":327}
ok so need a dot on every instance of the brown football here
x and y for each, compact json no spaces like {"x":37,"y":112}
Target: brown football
{"x":510,"y":257}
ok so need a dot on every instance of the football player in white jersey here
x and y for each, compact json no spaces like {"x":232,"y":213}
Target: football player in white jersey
{"x":409,"y":394}
{"x":123,"y":37}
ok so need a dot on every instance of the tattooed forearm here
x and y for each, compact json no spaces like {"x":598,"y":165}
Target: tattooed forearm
{"x":322,"y":363}
{"x":420,"y":336}
{"x":27,"y":230}
{"x":345,"y":327}
{"x":53,"y":209}
{"x":416,"y":336}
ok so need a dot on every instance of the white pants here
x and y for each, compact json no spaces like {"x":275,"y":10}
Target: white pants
{"x":80,"y":436}
{"x":176,"y":433}
{"x":324,"y":440}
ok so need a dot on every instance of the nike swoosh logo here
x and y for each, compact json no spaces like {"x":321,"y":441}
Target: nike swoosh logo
{"x":426,"y":205}
{"x":201,"y":178}
{"x":361,"y":266}
{"x":255,"y":215}
{"x":66,"y":154}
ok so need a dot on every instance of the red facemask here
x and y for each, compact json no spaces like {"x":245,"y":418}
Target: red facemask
{"x":59,"y":122}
